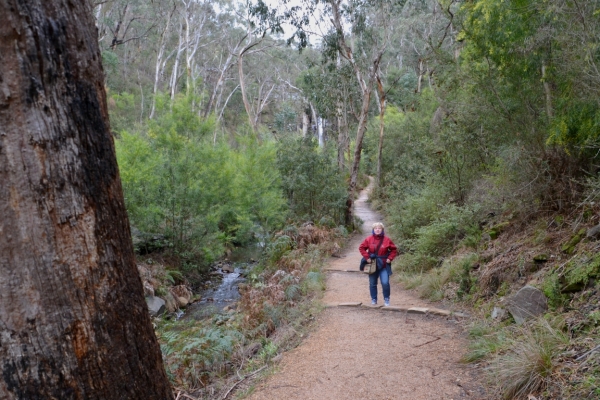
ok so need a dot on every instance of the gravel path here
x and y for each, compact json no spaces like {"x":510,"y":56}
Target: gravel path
{"x":371,"y":353}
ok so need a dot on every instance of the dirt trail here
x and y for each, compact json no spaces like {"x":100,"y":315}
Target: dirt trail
{"x":366,"y":353}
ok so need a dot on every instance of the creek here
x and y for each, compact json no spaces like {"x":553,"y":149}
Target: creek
{"x":223,"y":290}
{"x":222,"y":286}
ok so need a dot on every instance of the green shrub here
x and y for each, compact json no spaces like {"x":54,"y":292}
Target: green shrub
{"x":314,"y":187}
{"x":432,"y":284}
{"x":594,"y":317}
{"x":204,"y":197}
{"x":416,"y":210}
{"x":411,"y":262}
{"x":466,"y":282}
{"x":579,"y":272}
{"x":280,"y":246}
{"x":552,"y":289}
{"x":314,"y":281}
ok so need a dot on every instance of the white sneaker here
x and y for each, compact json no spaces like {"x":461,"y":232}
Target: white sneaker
{"x":387,"y":302}
{"x":373,"y":302}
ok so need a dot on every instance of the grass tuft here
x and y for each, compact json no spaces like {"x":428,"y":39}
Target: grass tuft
{"x":530,"y":359}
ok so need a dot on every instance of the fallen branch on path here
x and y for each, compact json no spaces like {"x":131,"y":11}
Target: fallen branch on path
{"x":243,"y":379}
{"x":431,"y":341}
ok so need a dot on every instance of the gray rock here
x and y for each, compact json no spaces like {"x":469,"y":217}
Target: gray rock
{"x":227,"y":268}
{"x":498,"y":313}
{"x":527,"y":303}
{"x":156,"y":305}
{"x":593,"y":233}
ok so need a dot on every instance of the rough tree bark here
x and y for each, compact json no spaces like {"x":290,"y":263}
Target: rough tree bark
{"x":73,"y":320}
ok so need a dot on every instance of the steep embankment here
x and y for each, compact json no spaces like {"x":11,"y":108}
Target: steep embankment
{"x":363,"y":352}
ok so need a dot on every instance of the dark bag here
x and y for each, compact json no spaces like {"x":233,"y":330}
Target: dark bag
{"x":368,"y":268}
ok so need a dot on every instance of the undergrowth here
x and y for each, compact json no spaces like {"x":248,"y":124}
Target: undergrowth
{"x":530,"y":356}
{"x":432,"y":284}
{"x":206,"y":358}
{"x":557,"y":355}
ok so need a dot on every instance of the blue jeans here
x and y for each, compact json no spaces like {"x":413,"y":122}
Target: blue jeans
{"x":384,"y":275}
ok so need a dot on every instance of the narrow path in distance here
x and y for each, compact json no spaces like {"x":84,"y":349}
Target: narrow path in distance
{"x":372,"y":353}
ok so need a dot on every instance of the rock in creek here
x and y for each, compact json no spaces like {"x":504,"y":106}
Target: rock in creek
{"x":156,"y":305}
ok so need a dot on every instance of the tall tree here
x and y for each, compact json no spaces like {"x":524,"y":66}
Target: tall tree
{"x":359,"y":33}
{"x":73,"y":320}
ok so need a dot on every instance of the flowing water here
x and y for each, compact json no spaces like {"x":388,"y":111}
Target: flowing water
{"x":222,"y":291}
{"x":222,"y":287}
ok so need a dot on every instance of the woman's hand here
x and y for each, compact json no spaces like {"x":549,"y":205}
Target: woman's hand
{"x":388,"y":261}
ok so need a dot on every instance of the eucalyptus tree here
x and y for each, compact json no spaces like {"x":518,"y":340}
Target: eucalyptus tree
{"x":161,"y":58}
{"x":74,"y":321}
{"x":127,"y":29}
{"x":220,"y":59}
{"x":359,"y":33}
{"x":331,"y":92}
{"x":123,"y":21}
{"x":258,"y":20}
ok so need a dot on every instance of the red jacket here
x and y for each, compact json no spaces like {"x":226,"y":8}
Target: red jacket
{"x":369,"y":245}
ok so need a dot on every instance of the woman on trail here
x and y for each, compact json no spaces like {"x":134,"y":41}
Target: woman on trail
{"x":380,"y":249}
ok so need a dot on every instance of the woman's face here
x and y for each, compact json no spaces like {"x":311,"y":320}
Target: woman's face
{"x":378,"y":230}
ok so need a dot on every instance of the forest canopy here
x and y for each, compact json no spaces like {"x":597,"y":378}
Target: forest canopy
{"x":457,"y":108}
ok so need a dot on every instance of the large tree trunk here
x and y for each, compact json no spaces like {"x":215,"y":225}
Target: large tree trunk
{"x":73,"y":320}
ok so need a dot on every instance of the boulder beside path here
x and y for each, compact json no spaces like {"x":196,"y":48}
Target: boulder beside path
{"x":527,"y":303}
